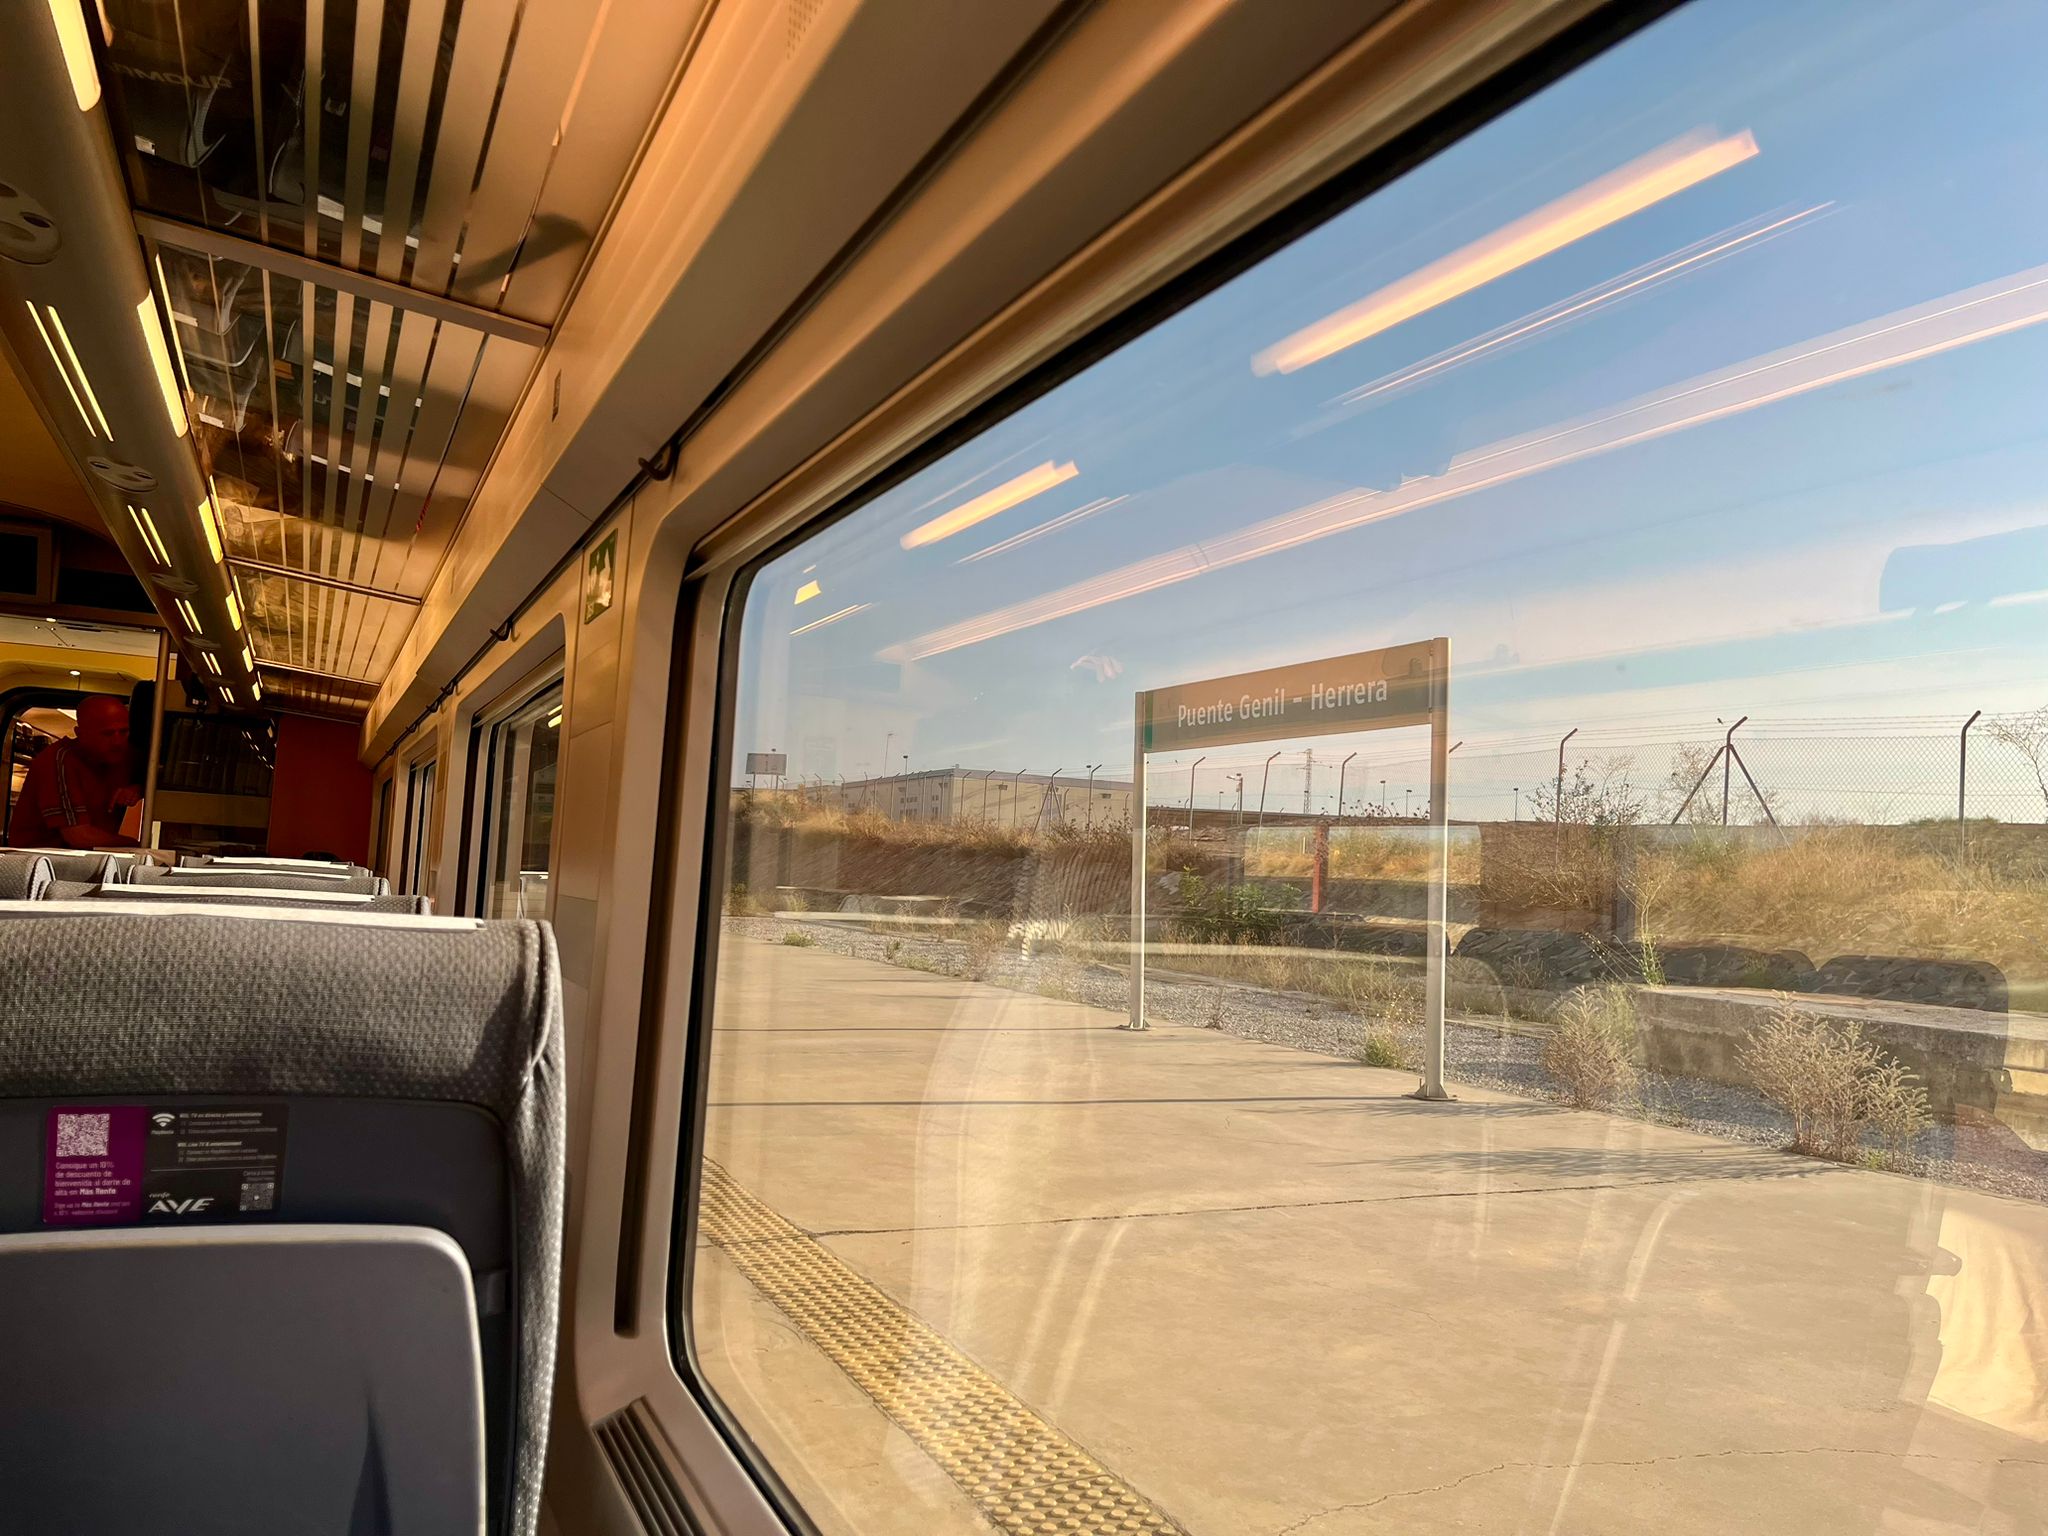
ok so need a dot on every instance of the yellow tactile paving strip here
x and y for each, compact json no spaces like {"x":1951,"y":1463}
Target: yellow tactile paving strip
{"x":1023,"y":1475}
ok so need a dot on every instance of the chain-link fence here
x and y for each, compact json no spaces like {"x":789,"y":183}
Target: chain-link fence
{"x":1796,"y":774}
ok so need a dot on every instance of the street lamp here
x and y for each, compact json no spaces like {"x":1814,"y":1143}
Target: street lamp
{"x":1518,"y":802}
{"x":1340,"y":785}
{"x":1264,"y":779}
{"x":1383,"y":797}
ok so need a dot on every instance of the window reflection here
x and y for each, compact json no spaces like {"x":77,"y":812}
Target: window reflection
{"x":524,"y":748}
{"x":1694,"y":402}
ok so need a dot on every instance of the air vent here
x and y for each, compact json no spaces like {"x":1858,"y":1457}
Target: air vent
{"x":124,"y":477}
{"x":797,"y":17}
{"x":27,"y":233}
{"x":643,"y":1464}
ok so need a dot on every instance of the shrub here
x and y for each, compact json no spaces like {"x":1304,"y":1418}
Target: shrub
{"x":738,"y":903}
{"x":797,"y":939}
{"x":1591,"y":1048}
{"x":893,"y":951}
{"x":1834,"y":1084}
{"x":1389,"y":1049}
{"x":984,"y":944}
{"x":1225,"y":914}
{"x":1390,"y":999}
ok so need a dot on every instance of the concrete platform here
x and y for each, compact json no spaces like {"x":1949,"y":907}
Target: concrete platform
{"x":1272,"y":1295}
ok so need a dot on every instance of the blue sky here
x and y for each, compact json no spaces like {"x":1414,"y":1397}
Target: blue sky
{"x":1861,"y":548}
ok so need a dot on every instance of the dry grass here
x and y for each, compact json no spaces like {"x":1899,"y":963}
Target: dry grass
{"x":1590,"y":1051}
{"x":1358,"y":854}
{"x":1834,"y":1084}
{"x":1831,"y":891}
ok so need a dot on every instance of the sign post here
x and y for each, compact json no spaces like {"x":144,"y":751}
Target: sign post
{"x":1396,"y":686}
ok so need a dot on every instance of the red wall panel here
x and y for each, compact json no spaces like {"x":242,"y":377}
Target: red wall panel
{"x":320,"y":795}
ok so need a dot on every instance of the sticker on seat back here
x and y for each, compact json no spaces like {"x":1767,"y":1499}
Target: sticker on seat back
{"x":115,"y":1164}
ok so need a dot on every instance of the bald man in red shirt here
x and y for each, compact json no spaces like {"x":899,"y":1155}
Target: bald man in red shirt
{"x":77,"y":787}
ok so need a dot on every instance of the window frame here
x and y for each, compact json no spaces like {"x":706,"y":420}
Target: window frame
{"x":710,"y":607}
{"x":417,"y":831}
{"x":485,"y":728}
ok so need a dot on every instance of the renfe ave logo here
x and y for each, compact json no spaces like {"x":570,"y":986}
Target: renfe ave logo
{"x":166,"y":1205}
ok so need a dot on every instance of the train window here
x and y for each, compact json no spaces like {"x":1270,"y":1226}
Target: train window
{"x":380,"y":834}
{"x":1578,"y":620}
{"x":415,"y":863}
{"x":519,"y":806}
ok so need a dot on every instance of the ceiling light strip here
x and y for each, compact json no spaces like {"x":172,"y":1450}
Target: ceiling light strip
{"x":160,"y":356}
{"x":77,"y":45}
{"x":152,"y":540}
{"x":177,"y":342}
{"x":58,"y":362}
{"x":84,"y":379}
{"x":211,"y":528}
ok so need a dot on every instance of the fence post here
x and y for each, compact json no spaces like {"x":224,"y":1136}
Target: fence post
{"x":1962,"y":783}
{"x":1557,"y":805}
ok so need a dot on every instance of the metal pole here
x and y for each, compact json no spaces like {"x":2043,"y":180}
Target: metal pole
{"x":1439,"y":875}
{"x":1191,"y":790}
{"x":1265,"y":779}
{"x":1728,"y":766}
{"x":1051,"y":789}
{"x":1136,"y":1020}
{"x":1962,"y":783}
{"x":1518,"y":802}
{"x":1016,"y":794}
{"x":1340,"y":785}
{"x":1091,"y":792}
{"x":1558,"y":804}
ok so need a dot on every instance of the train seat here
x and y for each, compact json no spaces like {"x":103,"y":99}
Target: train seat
{"x":279,"y":1221}
{"x":166,"y":893}
{"x":258,"y":877}
{"x":96,"y":866}
{"x":25,"y":876}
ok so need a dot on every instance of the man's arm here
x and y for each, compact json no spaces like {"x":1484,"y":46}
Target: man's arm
{"x":83,"y":834}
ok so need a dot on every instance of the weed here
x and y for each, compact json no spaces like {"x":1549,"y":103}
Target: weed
{"x":1387,"y":1048}
{"x":893,"y":951}
{"x":1591,"y":1049}
{"x":1834,"y":1084}
{"x":985,"y":945}
{"x":926,"y":964}
{"x":1060,"y":979}
{"x":1215,"y":1019}
{"x":796,"y":938}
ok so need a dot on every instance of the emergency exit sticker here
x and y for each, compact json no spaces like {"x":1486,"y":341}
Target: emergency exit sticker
{"x":126,"y":1163}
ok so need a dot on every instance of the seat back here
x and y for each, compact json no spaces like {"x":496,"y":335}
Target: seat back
{"x":96,"y":866}
{"x":167,"y":894}
{"x":256,"y":878}
{"x":396,"y":1077}
{"x":24,"y":876}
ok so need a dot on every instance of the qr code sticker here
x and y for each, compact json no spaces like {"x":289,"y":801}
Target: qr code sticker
{"x":82,"y":1135}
